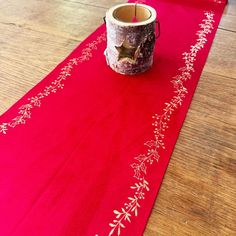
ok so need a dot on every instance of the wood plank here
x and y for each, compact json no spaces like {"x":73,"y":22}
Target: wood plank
{"x":222,"y":57}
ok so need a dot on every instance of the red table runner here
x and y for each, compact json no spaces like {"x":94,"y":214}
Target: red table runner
{"x":84,"y":152}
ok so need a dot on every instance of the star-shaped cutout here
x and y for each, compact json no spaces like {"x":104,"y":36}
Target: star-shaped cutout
{"x":127,"y":52}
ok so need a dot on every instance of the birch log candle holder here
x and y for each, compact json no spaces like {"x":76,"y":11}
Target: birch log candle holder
{"x":130,"y":37}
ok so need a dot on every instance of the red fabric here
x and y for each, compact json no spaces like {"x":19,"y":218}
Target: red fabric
{"x":71,"y":159}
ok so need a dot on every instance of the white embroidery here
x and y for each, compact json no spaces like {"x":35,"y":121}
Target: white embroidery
{"x":3,"y":128}
{"x":141,"y":162}
{"x":25,"y":110}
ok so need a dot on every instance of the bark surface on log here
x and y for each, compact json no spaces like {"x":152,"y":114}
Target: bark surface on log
{"x":130,"y":38}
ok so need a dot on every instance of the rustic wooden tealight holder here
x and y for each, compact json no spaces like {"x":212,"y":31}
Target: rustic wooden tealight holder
{"x":130,"y":37}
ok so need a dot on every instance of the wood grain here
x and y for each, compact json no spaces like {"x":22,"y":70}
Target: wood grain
{"x":198,"y":193}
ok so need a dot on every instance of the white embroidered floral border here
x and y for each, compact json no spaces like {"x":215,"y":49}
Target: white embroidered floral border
{"x":141,"y":162}
{"x":25,"y":110}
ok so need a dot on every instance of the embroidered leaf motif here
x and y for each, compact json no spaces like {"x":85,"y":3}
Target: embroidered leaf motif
{"x":143,"y":168}
{"x":152,"y":143}
{"x":154,"y":154}
{"x":35,"y":101}
{"x":118,"y":214}
{"x":137,"y":173}
{"x":141,"y":158}
{"x":3,"y":128}
{"x":113,"y":229}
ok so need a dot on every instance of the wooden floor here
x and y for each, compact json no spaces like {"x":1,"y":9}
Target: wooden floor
{"x":198,"y":195}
